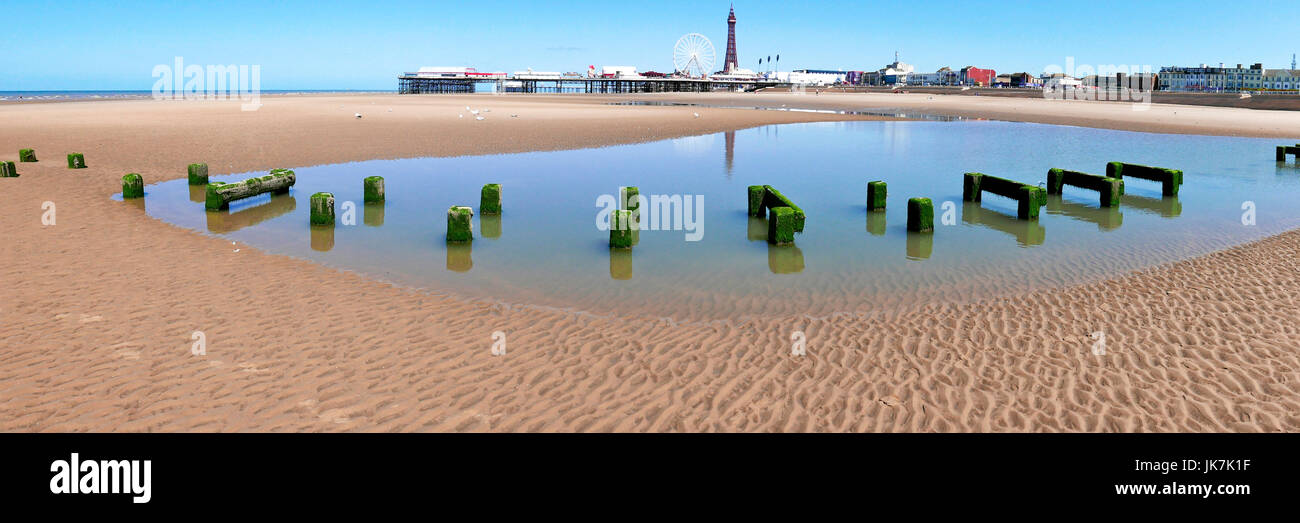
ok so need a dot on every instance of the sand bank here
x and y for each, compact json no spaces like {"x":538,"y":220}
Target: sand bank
{"x":98,"y":312}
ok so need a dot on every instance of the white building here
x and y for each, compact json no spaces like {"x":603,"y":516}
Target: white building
{"x":1281,"y":80}
{"x":1212,"y":79}
{"x":617,"y":71}
{"x":811,"y":77}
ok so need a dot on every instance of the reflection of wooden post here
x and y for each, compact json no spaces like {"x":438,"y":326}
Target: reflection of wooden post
{"x":784,"y":259}
{"x":322,"y":238}
{"x":459,"y":257}
{"x":491,"y":225}
{"x":620,"y":264}
{"x":919,"y":246}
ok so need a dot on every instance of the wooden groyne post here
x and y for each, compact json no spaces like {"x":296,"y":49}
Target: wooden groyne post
{"x":26,"y":155}
{"x":8,"y":170}
{"x":876,"y":192}
{"x":197,"y":173}
{"x":219,"y":194}
{"x":1283,"y":150}
{"x":1029,"y":198}
{"x":1109,"y":189}
{"x":76,"y":161}
{"x":1170,"y":179}
{"x":132,"y":186}
{"x":765,"y":198}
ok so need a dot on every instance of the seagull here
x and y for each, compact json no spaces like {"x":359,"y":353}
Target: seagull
{"x":514,"y":116}
{"x":697,"y":115}
{"x":466,"y":107}
{"x":1245,"y":96}
{"x":965,"y":88}
{"x":358,"y":115}
{"x":460,"y":116}
{"x":479,"y":118}
{"x":474,"y":112}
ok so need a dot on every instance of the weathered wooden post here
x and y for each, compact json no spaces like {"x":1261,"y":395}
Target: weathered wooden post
{"x":1027,"y":204}
{"x":920,"y":215}
{"x":490,"y":199}
{"x":1281,"y":153}
{"x":460,"y":224}
{"x":621,"y":230}
{"x":780,"y":225}
{"x":218,"y":195}
{"x":756,"y":195}
{"x":322,"y":209}
{"x":372,"y":189}
{"x":8,"y":170}
{"x":132,"y":186}
{"x":76,"y":161}
{"x":876,"y":195}
{"x":198,"y":173}
{"x":1055,"y":180}
{"x":970,"y":187}
{"x":26,"y":155}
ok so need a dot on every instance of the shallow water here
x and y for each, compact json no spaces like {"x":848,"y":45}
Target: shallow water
{"x":546,"y":248}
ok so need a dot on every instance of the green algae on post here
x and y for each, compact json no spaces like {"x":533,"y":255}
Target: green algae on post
{"x":8,"y":170}
{"x":219,"y":194}
{"x":27,"y":155}
{"x":372,"y":189}
{"x":198,"y":173}
{"x":756,"y":195}
{"x":1027,"y":204}
{"x":76,"y":161}
{"x":876,"y":195}
{"x":322,"y":208}
{"x":781,"y":225}
{"x":622,"y":230}
{"x":460,"y":224}
{"x":1170,"y":179}
{"x":490,"y":199}
{"x":132,"y":186}
{"x":920,"y":214}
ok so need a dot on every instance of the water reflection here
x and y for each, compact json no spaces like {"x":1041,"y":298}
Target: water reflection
{"x":221,"y":222}
{"x":458,"y":257}
{"x":490,"y":224}
{"x":1106,"y":218}
{"x":919,"y":245}
{"x":373,"y":214}
{"x":784,"y":259}
{"x":731,"y":151}
{"x":1166,"y":207}
{"x":322,"y":237}
{"x":1027,"y":232}
{"x":138,"y":203}
{"x":757,"y":231}
{"x":620,"y":264}
{"x":876,"y":223}
{"x":198,"y":193}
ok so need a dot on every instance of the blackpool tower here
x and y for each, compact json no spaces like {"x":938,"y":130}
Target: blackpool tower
{"x":731,"y":63}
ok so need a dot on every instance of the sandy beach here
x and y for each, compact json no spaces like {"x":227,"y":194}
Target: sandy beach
{"x":97,"y":311}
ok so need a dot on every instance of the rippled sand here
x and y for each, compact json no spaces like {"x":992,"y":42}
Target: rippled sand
{"x":97,"y":312}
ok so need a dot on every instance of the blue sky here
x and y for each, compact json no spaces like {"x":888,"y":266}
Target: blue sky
{"x":364,"y":45}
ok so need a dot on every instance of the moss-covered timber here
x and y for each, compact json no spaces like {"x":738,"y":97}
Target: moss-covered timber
{"x":975,"y":184}
{"x":1170,"y":179}
{"x":26,"y":155}
{"x":490,"y":199}
{"x":621,"y":230}
{"x":372,"y":189}
{"x":781,"y":225}
{"x":132,"y":186}
{"x":76,"y":161}
{"x":920,"y":215}
{"x":8,"y":170}
{"x":219,"y":194}
{"x":197,"y":173}
{"x":1108,"y":189}
{"x":876,"y":192}
{"x":460,"y":224}
{"x":756,"y":195}
{"x":322,"y":208}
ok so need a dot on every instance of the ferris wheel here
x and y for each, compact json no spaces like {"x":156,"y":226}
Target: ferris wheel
{"x":693,"y":55}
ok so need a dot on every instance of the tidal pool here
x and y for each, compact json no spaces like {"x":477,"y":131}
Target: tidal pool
{"x":546,"y":249}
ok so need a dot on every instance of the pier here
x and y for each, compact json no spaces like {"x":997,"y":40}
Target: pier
{"x":414,"y":83}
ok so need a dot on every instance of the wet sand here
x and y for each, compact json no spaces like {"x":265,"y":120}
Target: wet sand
{"x":98,"y":311}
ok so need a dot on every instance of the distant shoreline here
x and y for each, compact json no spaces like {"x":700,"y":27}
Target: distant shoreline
{"x":24,"y":97}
